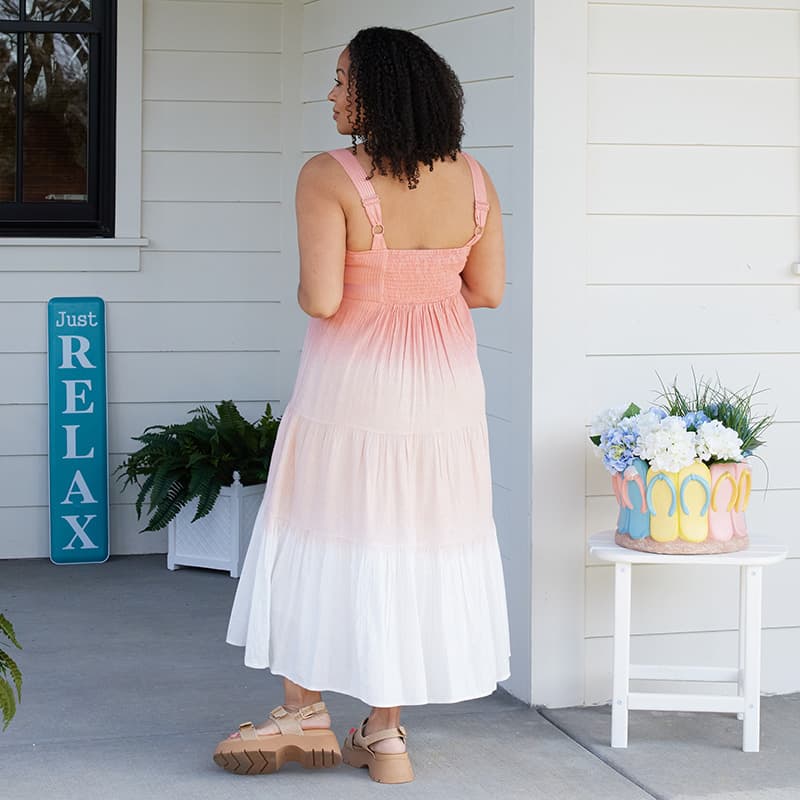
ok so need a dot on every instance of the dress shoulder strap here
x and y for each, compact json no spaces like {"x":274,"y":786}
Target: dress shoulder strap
{"x":479,"y":190}
{"x":366,"y":191}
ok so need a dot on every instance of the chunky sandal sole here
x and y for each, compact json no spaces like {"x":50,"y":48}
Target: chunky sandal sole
{"x":383,"y":767}
{"x":314,"y":750}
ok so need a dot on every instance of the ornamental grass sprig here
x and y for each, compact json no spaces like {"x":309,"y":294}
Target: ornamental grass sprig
{"x":734,"y":409}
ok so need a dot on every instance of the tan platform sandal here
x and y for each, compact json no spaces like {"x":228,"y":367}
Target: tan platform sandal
{"x":383,"y":767}
{"x":256,"y":754}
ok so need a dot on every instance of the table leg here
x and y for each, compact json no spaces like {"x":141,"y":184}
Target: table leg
{"x":752,"y":660}
{"x":742,"y":624}
{"x":622,"y":654}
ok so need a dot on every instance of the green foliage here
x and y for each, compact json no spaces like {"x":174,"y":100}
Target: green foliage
{"x":9,"y":669}
{"x":196,"y":459}
{"x":734,"y":409}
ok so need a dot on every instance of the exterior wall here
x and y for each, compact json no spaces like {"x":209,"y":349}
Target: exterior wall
{"x":692,"y":155}
{"x":488,"y":45}
{"x":559,"y":345}
{"x":665,"y":193}
{"x":202,"y":318}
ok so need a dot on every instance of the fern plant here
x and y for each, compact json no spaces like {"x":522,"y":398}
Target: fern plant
{"x":9,"y":669}
{"x":196,"y":459}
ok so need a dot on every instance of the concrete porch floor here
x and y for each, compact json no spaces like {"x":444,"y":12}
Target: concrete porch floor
{"x":128,"y":686}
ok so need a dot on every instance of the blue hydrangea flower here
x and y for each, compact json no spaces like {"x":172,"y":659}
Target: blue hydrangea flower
{"x":617,"y":445}
{"x":694,"y":419}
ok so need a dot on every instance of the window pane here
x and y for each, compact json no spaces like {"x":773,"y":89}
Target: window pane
{"x":55,"y":117}
{"x":59,"y":10}
{"x":8,"y":116}
{"x":9,"y":9}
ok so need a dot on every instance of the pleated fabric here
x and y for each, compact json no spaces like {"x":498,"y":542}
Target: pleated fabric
{"x":373,"y":568}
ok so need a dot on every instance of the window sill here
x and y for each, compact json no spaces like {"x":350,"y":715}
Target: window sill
{"x":66,"y":254}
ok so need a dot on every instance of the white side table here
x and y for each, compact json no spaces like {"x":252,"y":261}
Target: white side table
{"x":747,"y":675}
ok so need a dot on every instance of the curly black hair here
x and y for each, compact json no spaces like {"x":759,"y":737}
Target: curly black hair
{"x":408,"y":103}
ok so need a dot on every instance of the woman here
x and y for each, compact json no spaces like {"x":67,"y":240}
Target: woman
{"x":373,"y":569}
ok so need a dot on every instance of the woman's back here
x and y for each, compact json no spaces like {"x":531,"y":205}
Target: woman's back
{"x":438,"y":214}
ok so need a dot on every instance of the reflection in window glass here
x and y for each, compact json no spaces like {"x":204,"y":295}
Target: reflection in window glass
{"x":8,"y":117}
{"x":55,"y":117}
{"x":9,"y":9}
{"x":59,"y":10}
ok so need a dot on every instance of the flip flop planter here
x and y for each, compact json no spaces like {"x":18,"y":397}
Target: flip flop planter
{"x":679,"y":473}
{"x":690,"y":511}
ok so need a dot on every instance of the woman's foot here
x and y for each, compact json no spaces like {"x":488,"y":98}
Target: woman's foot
{"x":300,"y":733}
{"x":373,"y":745}
{"x":318,"y":720}
{"x":393,"y":744}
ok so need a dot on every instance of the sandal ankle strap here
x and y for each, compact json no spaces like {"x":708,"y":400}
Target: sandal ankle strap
{"x":288,"y":721}
{"x":376,"y":736}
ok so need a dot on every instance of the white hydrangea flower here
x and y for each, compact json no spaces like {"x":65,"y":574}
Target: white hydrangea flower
{"x":668,"y":446}
{"x":605,"y":420}
{"x":715,"y":440}
{"x":647,"y":422}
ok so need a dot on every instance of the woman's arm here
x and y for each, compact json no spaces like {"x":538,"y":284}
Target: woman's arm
{"x":321,"y":237}
{"x":483,"y":279}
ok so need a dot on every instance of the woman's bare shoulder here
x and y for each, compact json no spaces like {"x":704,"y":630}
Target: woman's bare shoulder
{"x":491,"y":191}
{"x":319,"y":172}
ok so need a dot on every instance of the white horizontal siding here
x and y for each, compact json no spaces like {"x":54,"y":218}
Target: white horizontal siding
{"x":208,"y":27}
{"x":194,"y":326}
{"x":693,"y":600}
{"x":636,"y":378}
{"x":328,"y":24}
{"x":232,"y":226}
{"x":212,"y":177}
{"x":164,"y":277}
{"x":655,"y":320}
{"x":766,"y":5}
{"x":693,"y":152}
{"x":179,"y":377}
{"x":695,"y":180}
{"x":691,"y":110}
{"x":24,"y":531}
{"x":222,"y":77}
{"x":691,"y":249}
{"x":206,"y":317}
{"x":693,"y":40}
{"x":462,"y":40}
{"x":199,"y":125}
{"x":25,"y":425}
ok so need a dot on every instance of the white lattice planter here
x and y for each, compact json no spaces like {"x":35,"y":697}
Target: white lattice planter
{"x":219,"y":540}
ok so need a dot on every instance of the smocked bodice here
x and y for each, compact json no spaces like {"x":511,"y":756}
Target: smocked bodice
{"x":384,"y":275}
{"x":403,"y":276}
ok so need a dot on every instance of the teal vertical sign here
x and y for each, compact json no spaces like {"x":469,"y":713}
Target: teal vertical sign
{"x":78,"y":439}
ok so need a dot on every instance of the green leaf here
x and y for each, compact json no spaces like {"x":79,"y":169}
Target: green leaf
{"x":595,"y":440}
{"x":9,"y":667}
{"x":631,"y":411}
{"x":8,"y":629}
{"x":195,"y":459}
{"x":8,"y":706}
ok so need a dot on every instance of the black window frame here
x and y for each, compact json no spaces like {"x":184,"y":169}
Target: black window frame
{"x":94,"y":217}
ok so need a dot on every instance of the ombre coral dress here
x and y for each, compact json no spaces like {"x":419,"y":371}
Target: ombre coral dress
{"x":373,"y":567}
